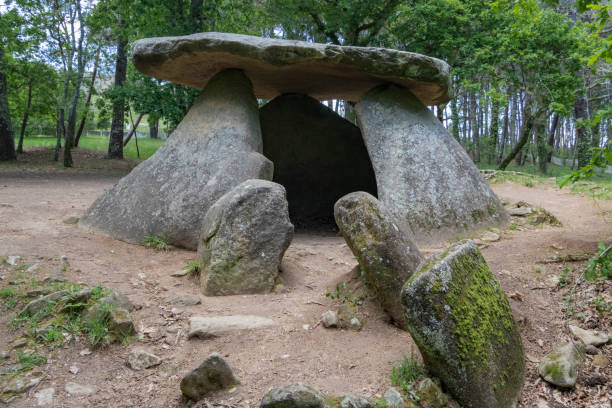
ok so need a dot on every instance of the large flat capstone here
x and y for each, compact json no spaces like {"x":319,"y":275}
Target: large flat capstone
{"x":217,"y":146}
{"x":277,"y":67}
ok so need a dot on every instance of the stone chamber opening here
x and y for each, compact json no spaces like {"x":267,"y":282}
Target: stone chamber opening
{"x":318,"y":157}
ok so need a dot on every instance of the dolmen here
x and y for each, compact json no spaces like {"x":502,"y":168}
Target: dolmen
{"x":399,"y":152}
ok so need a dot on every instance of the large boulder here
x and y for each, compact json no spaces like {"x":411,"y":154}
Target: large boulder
{"x":276,"y":67}
{"x":216,"y":147}
{"x":462,"y":322}
{"x":424,"y":176}
{"x":308,"y":142}
{"x":243,"y":239}
{"x":560,"y":366}
{"x":386,"y":254}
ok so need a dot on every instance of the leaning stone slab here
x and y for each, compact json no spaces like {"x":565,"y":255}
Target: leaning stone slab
{"x":39,"y":304}
{"x":462,"y":322}
{"x":560,"y":366}
{"x":276,"y":67}
{"x":216,"y":147}
{"x":206,"y":327}
{"x":212,"y":375}
{"x":384,"y":251}
{"x":243,"y":239}
{"x":424,"y":176}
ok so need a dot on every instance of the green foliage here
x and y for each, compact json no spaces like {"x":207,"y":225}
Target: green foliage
{"x":599,"y":266}
{"x":344,"y":294}
{"x":564,"y":277}
{"x":601,"y":305}
{"x":406,"y":374}
{"x":29,"y":361}
{"x":601,"y":158}
{"x":192,"y":267}
{"x":96,"y":327}
{"x":157,"y":243}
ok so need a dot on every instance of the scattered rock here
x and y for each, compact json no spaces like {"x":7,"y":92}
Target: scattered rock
{"x":560,"y":367}
{"x":355,"y":324}
{"x":464,"y":327}
{"x":120,"y":324}
{"x":355,"y":401}
{"x":206,"y":327}
{"x":4,"y":355}
{"x":45,"y":396}
{"x":78,"y":389}
{"x":85,"y":352}
{"x":71,"y":220}
{"x":590,"y":337}
{"x":394,"y":399}
{"x":140,"y":360}
{"x":430,"y":395}
{"x":32,"y":268}
{"x":600,"y":360}
{"x":22,"y":382}
{"x":329,"y":319}
{"x":293,"y":396}
{"x":490,"y":237}
{"x":180,"y":273}
{"x":37,"y":305}
{"x":212,"y":375}
{"x":384,"y":251}
{"x":119,"y":300}
{"x":184,"y":300}
{"x":594,"y":380}
{"x":12,"y":259}
{"x":244,"y":237}
{"x":520,"y":211}
{"x":592,"y":350}
{"x":74,"y":369}
{"x":19,"y":342}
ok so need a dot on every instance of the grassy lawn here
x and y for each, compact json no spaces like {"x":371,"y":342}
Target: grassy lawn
{"x":146,"y":145}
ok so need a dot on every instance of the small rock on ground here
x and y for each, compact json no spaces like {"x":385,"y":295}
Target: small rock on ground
{"x":560,"y":367}
{"x":213,"y":374}
{"x":430,"y":395}
{"x":22,"y":383}
{"x":355,"y":401}
{"x":600,"y":361}
{"x":78,"y":389}
{"x":45,"y":397}
{"x":329,"y":319}
{"x":184,"y":300}
{"x":179,"y":273}
{"x":293,"y":396}
{"x":206,"y":327}
{"x":140,"y":360}
{"x":590,"y":337}
{"x":394,"y":399}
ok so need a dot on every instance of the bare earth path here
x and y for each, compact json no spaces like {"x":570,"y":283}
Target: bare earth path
{"x":33,"y":206}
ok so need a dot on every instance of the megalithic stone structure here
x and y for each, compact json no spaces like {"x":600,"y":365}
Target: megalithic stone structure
{"x":423,"y":176}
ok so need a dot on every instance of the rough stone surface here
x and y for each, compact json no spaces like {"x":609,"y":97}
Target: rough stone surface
{"x":141,"y":360}
{"x":184,"y":300}
{"x":23,"y":382}
{"x":294,"y":396}
{"x":207,"y":327}
{"x":44,"y":397}
{"x":243,"y":239}
{"x":329,"y":319}
{"x":120,"y":324}
{"x":216,"y":147}
{"x":355,"y":401}
{"x":277,"y":67}
{"x":462,"y":322}
{"x":79,"y":389}
{"x":308,"y":142}
{"x":424,"y":176}
{"x":394,"y":399}
{"x":520,"y":211}
{"x":560,"y":366}
{"x":590,"y":337}
{"x":213,"y":374}
{"x":37,"y":305}
{"x":384,"y":251}
{"x":430,"y":395}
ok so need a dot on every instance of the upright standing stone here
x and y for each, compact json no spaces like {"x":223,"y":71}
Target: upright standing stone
{"x":424,"y":176}
{"x":244,"y":237}
{"x":217,"y":146}
{"x":384,"y":251}
{"x":462,"y":322}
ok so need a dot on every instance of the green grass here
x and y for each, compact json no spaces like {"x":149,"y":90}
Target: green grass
{"x":29,"y":361}
{"x":406,"y":374}
{"x":192,"y":267}
{"x":147,"y":146}
{"x":157,"y":243}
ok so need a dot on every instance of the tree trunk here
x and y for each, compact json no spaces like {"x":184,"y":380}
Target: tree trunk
{"x":26,"y":114}
{"x":504,"y":139}
{"x":475,"y":135}
{"x":61,"y":126}
{"x":541,"y":142}
{"x":494,"y":132}
{"x":133,"y":131}
{"x":195,"y":11}
{"x":88,"y":101}
{"x":154,"y":128}
{"x":7,"y":138}
{"x":455,"y":118}
{"x":440,"y":113}
{"x":115,"y":144}
{"x":525,"y":133}
{"x":582,"y":141}
{"x":551,"y":136}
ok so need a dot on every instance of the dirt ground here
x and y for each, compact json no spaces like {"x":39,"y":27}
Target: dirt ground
{"x":35,"y":202}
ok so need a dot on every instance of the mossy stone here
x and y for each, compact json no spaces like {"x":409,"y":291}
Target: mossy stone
{"x":464,"y":327}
